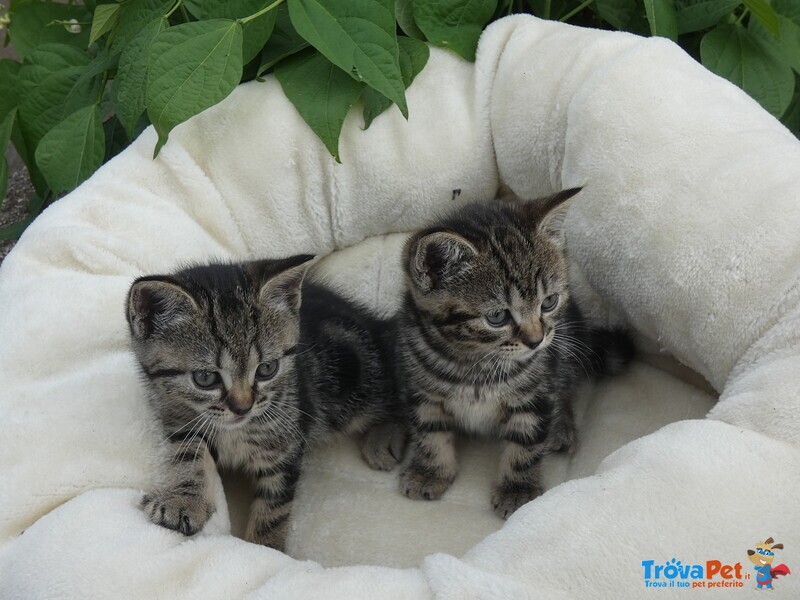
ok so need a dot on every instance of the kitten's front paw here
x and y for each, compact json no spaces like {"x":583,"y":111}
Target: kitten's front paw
{"x":565,"y":439}
{"x":176,"y":511}
{"x":419,"y":485}
{"x":384,"y":446}
{"x":506,"y":500}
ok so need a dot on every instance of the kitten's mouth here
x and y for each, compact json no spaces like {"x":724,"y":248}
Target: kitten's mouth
{"x":237,"y":421}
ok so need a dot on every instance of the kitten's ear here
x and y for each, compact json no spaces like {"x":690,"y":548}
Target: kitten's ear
{"x":549,"y":213}
{"x":437,"y":257}
{"x":282,"y":279}
{"x":156,"y":303}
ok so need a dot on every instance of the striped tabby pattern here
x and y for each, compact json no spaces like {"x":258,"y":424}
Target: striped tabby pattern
{"x":489,"y":343}
{"x":243,"y":374}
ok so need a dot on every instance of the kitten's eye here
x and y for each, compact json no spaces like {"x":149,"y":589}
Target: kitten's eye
{"x":267,"y":370}
{"x":498,"y":318}
{"x":205,"y":379}
{"x":550,"y":303}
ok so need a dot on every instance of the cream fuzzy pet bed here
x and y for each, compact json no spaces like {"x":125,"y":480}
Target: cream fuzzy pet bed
{"x":688,"y":230}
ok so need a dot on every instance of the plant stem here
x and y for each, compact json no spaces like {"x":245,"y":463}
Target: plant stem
{"x":255,"y":15}
{"x":173,"y":9}
{"x":185,"y":13}
{"x":546,"y":9}
{"x":742,"y":16}
{"x":576,"y":10}
{"x":99,"y":100}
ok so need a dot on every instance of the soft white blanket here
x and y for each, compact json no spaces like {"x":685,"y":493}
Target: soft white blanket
{"x":688,"y":230}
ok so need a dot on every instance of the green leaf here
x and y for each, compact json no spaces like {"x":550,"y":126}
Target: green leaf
{"x":134,"y":16}
{"x":731,"y":52}
{"x":7,"y":105}
{"x":404,"y":13}
{"x":787,"y":48}
{"x":791,"y":117}
{"x":9,"y":86}
{"x":105,"y":17}
{"x":551,"y":9}
{"x":254,"y":33}
{"x":764,"y":13}
{"x":72,"y":150}
{"x":413,"y":58}
{"x":617,"y":12}
{"x":662,"y":18}
{"x":283,"y":42}
{"x":787,"y":8}
{"x":54,"y":84}
{"x":32,"y":24}
{"x":6,"y":127}
{"x":454,"y":24}
{"x":694,"y":15}
{"x":321,"y":92}
{"x":116,"y":140}
{"x":192,"y":67}
{"x":358,"y":37}
{"x":195,"y":7}
{"x":129,"y":85}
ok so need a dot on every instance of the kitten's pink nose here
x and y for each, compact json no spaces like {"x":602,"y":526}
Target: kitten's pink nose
{"x":531,"y":334}
{"x":530,"y":343}
{"x":240,"y":399}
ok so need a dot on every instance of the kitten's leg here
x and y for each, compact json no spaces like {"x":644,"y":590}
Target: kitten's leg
{"x":185,"y":502}
{"x":526,"y":442}
{"x":275,"y":481}
{"x":384,"y":445}
{"x":564,"y":436}
{"x":433,"y":464}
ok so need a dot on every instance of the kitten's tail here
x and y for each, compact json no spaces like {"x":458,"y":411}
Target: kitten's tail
{"x":612,"y":351}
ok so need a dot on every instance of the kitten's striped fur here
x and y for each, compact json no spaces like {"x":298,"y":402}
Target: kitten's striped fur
{"x":332,"y":375}
{"x":514,"y":380}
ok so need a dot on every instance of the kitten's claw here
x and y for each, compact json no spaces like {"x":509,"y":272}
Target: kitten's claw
{"x":506,"y":500}
{"x":384,"y":446}
{"x":179,"y":512}
{"x":422,"y":486}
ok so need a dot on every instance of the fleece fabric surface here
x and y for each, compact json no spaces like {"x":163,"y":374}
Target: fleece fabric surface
{"x":687,"y":231}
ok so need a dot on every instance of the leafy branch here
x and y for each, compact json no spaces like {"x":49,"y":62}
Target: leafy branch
{"x":95,"y":73}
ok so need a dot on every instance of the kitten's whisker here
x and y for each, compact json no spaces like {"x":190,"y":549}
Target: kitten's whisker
{"x":288,"y":405}
{"x":189,"y":422}
{"x":489,"y":354}
{"x":284,"y":425}
{"x":187,"y":443}
{"x":578,"y":360}
{"x":197,"y":448}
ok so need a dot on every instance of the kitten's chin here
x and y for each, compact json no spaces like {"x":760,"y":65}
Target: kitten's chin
{"x":236,"y":422}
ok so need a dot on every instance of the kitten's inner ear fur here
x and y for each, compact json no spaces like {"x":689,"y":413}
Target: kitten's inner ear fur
{"x":284,"y":286}
{"x":549,"y":213}
{"x":437,"y":257}
{"x":155,"y":304}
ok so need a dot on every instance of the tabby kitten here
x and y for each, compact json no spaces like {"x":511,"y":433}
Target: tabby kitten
{"x":490,"y":343}
{"x":242,"y":374}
